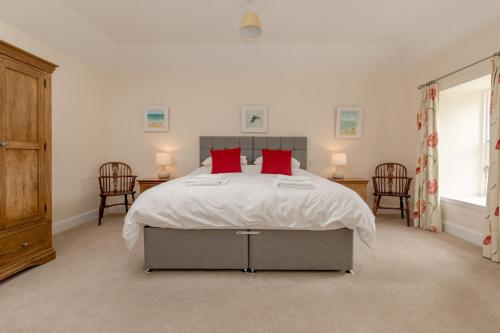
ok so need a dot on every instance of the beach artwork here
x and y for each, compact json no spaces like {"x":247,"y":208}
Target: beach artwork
{"x":254,"y":118}
{"x":349,"y":121}
{"x":155,"y":119}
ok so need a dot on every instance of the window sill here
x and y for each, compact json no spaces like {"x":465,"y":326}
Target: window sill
{"x":475,"y":202}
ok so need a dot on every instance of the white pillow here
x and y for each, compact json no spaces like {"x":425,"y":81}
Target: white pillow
{"x":295,"y":163}
{"x":208,"y":161}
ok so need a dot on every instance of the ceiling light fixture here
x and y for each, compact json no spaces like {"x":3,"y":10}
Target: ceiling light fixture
{"x":250,"y":24}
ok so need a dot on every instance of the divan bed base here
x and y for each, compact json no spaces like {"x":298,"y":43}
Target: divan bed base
{"x":248,"y":250}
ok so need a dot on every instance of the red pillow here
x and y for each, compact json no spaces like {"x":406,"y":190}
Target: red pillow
{"x":277,"y":162}
{"x":226,"y":160}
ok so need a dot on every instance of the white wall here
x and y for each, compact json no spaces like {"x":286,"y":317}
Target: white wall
{"x":79,"y":130}
{"x":463,"y":220}
{"x":298,"y":106}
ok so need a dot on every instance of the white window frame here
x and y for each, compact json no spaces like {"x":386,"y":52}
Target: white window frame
{"x":485,"y":133}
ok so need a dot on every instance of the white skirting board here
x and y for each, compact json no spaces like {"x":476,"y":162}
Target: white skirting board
{"x":456,"y":230}
{"x":74,"y":221}
{"x":466,"y":234}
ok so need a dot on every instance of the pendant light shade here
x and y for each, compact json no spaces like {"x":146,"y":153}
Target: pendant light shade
{"x":250,"y":25}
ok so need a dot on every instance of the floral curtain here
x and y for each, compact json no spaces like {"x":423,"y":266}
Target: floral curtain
{"x":427,"y":212}
{"x":491,"y":238}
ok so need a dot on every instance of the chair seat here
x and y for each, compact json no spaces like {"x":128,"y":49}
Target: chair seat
{"x":110,"y":194}
{"x":392,"y":194}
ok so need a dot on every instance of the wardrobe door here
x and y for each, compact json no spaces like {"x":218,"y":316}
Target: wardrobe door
{"x":22,"y":141}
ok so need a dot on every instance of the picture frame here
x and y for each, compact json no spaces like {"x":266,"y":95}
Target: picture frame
{"x":349,"y":122}
{"x":254,"y":118}
{"x":155,"y":118}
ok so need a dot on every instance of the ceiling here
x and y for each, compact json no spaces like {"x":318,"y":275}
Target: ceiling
{"x":409,"y":30}
{"x":285,"y":21}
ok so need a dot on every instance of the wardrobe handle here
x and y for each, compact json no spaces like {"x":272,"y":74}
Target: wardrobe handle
{"x":3,"y":144}
{"x":248,"y":232}
{"x":25,"y":244}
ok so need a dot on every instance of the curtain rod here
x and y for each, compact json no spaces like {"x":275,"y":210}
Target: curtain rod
{"x":458,"y":70}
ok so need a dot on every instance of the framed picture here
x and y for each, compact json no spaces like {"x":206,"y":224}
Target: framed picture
{"x":349,"y":122}
{"x":155,"y":118}
{"x":254,"y":118}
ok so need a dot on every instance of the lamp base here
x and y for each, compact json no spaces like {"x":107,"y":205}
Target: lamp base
{"x":338,"y":175}
{"x":163,"y":175}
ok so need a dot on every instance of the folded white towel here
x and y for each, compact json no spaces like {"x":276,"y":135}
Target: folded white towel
{"x":297,"y":179}
{"x":210,"y":176}
{"x":301,"y":185}
{"x":205,"y":181}
{"x":294,"y":184}
{"x":301,"y":182}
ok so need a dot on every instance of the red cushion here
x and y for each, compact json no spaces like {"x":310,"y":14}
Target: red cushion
{"x":277,"y":162}
{"x":226,"y":160}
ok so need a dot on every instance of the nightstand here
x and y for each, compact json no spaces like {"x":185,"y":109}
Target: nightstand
{"x":146,"y":183}
{"x":358,"y":185}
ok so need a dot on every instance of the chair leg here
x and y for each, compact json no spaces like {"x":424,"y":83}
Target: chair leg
{"x":126,"y":203}
{"x":401,"y":207}
{"x":101,"y":209}
{"x":133,"y":197}
{"x":407,"y":211}
{"x":376,"y":204}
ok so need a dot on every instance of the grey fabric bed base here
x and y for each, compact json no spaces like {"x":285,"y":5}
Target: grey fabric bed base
{"x":166,"y":248}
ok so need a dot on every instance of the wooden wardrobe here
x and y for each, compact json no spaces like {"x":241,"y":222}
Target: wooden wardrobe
{"x":25,"y":160}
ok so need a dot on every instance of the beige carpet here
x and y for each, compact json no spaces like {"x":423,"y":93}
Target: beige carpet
{"x":414,"y":281}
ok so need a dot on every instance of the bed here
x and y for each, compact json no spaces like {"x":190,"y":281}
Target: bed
{"x":249,"y":224}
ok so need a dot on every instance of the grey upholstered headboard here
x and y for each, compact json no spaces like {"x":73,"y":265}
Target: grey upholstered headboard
{"x":251,"y":146}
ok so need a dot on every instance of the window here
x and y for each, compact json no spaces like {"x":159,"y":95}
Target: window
{"x":464,"y":140}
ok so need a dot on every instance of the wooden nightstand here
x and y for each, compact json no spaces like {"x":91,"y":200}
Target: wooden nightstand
{"x":146,"y":183}
{"x":358,"y":185}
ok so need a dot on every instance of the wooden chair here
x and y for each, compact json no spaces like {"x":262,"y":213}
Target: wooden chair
{"x":390,"y":180}
{"x":115,"y":179}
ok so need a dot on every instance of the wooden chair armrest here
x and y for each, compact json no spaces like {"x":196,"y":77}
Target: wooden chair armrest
{"x":130,"y":178}
{"x":408,"y":183}
{"x":132,"y":183}
{"x":375,"y":185}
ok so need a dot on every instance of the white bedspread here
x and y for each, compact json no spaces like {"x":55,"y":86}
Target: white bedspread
{"x":250,"y":200}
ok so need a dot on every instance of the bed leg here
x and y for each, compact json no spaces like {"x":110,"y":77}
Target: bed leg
{"x":349,"y":271}
{"x":148,"y":270}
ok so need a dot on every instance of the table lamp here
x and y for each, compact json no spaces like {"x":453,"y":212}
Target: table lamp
{"x":338,"y":160}
{"x":163,"y":160}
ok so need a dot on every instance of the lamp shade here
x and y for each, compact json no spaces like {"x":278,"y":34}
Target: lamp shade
{"x":338,"y":159}
{"x":163,"y":159}
{"x":250,"y":25}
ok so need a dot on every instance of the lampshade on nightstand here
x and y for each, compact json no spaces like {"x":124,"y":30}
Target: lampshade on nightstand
{"x":338,"y":160}
{"x":163,"y":160}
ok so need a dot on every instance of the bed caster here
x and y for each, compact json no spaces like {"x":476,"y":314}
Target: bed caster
{"x":244,"y":270}
{"x":148,"y":270}
{"x":349,"y":271}
{"x":251,"y":270}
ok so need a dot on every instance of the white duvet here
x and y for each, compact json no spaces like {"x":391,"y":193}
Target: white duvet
{"x":250,"y":200}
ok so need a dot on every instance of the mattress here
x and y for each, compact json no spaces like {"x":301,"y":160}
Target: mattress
{"x":250,"y":200}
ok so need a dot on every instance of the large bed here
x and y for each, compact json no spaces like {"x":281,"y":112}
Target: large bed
{"x":250,"y":224}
